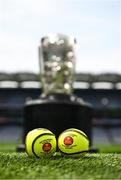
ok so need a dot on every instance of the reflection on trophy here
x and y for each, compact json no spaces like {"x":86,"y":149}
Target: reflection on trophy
{"x":57,"y":63}
{"x":57,"y":108}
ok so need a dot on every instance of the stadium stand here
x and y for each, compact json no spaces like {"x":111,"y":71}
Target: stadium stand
{"x":25,"y":76}
{"x":103,"y":91}
{"x":90,"y":79}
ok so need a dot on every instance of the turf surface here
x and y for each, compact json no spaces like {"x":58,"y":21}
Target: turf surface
{"x":92,"y":166}
{"x":96,"y":166}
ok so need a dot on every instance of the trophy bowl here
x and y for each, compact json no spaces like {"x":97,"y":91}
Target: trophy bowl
{"x":57,"y":63}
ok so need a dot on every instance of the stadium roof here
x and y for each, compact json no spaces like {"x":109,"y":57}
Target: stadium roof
{"x":82,"y":80}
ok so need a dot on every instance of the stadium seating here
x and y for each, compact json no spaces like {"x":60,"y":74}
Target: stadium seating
{"x":101,"y":90}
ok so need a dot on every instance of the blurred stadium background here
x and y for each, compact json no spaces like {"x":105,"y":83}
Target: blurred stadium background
{"x":95,"y":25}
{"x":103,"y":91}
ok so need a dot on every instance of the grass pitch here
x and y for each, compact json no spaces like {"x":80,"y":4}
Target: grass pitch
{"x":92,"y":166}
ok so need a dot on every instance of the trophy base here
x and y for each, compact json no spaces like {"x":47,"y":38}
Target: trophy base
{"x":20,"y":148}
{"x":58,"y":112}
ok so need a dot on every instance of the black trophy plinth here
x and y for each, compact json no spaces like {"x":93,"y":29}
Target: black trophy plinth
{"x":58,"y":112}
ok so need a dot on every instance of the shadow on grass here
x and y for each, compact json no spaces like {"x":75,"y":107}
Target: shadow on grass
{"x":59,"y":156}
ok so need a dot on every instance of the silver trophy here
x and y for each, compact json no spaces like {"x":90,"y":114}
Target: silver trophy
{"x":57,"y":63}
{"x":58,"y":108}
